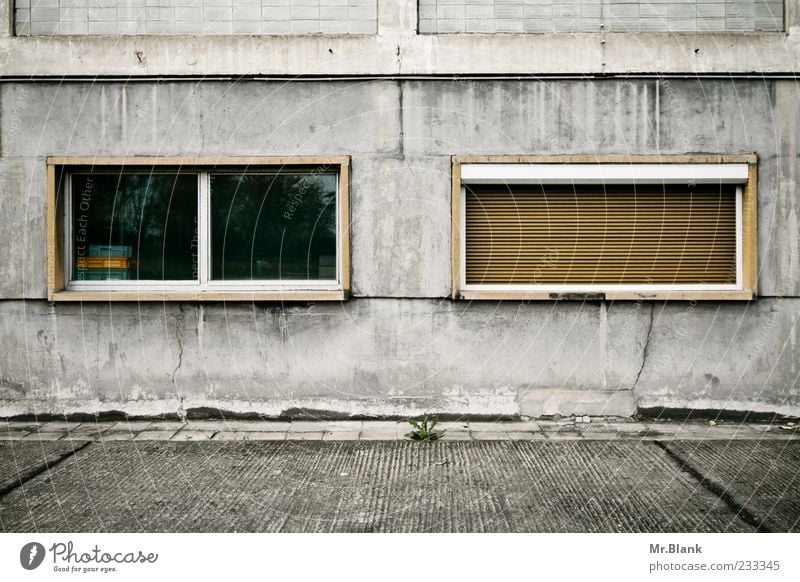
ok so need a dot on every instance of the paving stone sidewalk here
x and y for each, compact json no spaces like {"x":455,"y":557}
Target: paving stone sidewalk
{"x":606,"y":475}
{"x":400,"y":486}
{"x":580,"y":428}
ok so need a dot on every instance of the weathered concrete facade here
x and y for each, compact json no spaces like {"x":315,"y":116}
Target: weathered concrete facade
{"x":399,"y":345}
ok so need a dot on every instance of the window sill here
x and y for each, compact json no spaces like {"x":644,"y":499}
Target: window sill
{"x":740,"y":295}
{"x":146,"y":295}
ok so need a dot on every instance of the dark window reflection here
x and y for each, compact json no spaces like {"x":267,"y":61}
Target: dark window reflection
{"x":140,"y":226}
{"x":273,"y":226}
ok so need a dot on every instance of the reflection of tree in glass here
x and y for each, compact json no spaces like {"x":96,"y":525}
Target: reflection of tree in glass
{"x":154,"y":214}
{"x":273,"y":226}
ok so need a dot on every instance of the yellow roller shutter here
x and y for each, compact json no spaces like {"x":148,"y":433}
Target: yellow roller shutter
{"x":601,"y":235}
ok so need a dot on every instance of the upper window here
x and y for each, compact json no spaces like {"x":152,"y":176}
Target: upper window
{"x":596,"y":16}
{"x":199,"y":229}
{"x":658,"y":228}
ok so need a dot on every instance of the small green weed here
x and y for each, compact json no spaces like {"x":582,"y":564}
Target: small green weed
{"x":424,"y":429}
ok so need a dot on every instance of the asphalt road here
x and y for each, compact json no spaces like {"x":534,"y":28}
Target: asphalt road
{"x":400,"y":486}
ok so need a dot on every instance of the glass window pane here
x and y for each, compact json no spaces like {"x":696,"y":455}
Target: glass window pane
{"x":273,"y":226}
{"x":134,"y":226}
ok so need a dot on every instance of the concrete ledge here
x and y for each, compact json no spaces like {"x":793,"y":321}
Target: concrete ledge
{"x":401,"y":54}
{"x":537,"y":402}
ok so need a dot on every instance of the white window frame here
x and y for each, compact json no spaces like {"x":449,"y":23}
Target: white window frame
{"x":579,"y":174}
{"x":204,"y":287}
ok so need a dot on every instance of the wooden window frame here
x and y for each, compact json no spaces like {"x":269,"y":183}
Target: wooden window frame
{"x":747,"y":229}
{"x":58,"y":287}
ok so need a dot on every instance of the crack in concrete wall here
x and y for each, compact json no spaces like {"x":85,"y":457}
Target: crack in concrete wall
{"x":645,"y":348}
{"x":179,"y":323}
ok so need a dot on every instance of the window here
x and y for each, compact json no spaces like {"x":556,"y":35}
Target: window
{"x":645,"y":227}
{"x":216,"y":229}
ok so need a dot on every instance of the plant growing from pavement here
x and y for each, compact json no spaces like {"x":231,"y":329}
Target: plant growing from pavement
{"x":424,"y":429}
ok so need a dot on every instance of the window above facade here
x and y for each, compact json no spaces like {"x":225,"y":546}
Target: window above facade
{"x":658,"y":228}
{"x":133,"y":17}
{"x":543,"y":16}
{"x":201,"y":229}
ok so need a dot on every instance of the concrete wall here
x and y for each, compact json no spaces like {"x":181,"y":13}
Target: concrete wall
{"x":515,"y":16}
{"x":215,"y":17}
{"x":399,"y":346}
